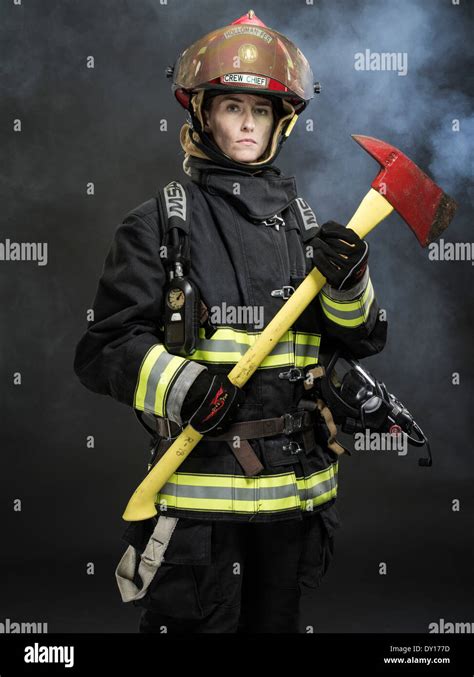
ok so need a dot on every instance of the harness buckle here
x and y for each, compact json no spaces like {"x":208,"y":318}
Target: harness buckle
{"x":294,"y":374}
{"x":285,"y":292}
{"x":293,"y":422}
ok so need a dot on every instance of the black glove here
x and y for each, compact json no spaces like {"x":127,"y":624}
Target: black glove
{"x":329,"y":251}
{"x":211,"y":403}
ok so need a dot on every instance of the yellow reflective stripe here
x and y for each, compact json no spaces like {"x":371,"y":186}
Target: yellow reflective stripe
{"x":306,"y":348}
{"x":237,"y":481}
{"x":305,"y":360}
{"x":164,"y":383}
{"x":348,"y":305}
{"x":318,"y":488}
{"x":309,"y":503}
{"x":315,"y":478}
{"x":156,"y":374}
{"x":230,"y":334}
{"x":240,"y":494}
{"x":223,"y":505}
{"x":228,"y":345}
{"x":303,"y":339}
{"x":351,"y":314}
{"x":283,"y":360}
{"x":148,"y":362}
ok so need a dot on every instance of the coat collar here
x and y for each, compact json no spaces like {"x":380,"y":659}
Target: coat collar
{"x":257,"y":194}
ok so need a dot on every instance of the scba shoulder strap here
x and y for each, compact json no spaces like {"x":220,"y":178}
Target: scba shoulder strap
{"x":306,"y":219}
{"x":174,"y":202}
{"x":301,"y":226}
{"x":184,"y":309}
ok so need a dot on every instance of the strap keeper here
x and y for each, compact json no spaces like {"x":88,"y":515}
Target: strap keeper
{"x":248,"y":459}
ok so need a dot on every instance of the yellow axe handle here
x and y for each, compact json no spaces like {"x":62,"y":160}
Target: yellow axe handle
{"x":373,"y":209}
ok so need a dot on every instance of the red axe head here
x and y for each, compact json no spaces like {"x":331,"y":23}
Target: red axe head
{"x":419,"y":201}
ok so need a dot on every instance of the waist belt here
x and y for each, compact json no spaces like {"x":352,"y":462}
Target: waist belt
{"x":298,"y":421}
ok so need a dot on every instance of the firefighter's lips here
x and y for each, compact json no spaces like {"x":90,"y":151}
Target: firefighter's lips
{"x":247,"y":142}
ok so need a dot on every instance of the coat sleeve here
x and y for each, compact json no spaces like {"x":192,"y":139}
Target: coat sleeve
{"x":351,"y":317}
{"x":121,"y":353}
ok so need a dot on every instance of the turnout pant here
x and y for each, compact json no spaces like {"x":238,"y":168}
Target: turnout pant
{"x":227,"y":577}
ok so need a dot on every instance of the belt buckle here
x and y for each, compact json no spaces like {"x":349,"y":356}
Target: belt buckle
{"x":293,"y":422}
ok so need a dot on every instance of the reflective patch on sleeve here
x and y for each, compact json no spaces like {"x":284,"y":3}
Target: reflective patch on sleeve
{"x":158,"y":372}
{"x":349,"y":313}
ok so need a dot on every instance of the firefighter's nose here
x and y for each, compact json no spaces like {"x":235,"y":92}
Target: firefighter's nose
{"x":248,"y":122}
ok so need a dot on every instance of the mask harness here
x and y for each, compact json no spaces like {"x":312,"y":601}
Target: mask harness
{"x":358,"y":402}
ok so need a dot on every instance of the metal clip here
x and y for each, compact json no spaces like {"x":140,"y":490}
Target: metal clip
{"x":168,"y":437}
{"x":293,"y":447}
{"x":276,"y":221}
{"x":294,"y":374}
{"x":285,"y":292}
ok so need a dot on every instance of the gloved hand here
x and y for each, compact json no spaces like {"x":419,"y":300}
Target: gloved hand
{"x":211,"y":403}
{"x":339,"y":254}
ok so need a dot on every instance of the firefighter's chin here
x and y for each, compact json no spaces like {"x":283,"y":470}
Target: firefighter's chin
{"x":245,"y":152}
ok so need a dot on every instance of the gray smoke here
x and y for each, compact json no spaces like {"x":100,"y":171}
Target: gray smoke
{"x":415,"y":112}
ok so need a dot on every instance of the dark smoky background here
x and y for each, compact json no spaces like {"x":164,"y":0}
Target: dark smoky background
{"x":104,"y":125}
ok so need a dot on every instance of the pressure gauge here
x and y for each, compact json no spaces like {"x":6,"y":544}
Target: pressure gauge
{"x":175,"y":298}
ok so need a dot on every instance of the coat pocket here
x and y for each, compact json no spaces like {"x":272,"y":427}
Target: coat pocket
{"x":185,"y":584}
{"x":318,"y":546}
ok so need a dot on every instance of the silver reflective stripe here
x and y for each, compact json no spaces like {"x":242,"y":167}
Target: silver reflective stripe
{"x":319,"y":489}
{"x":344,"y":314}
{"x":175,"y":200}
{"x":180,"y":389}
{"x":229,"y":493}
{"x":306,"y":349}
{"x":235,"y":493}
{"x":229,"y":346}
{"x":347,"y":294}
{"x":150,"y":560}
{"x":307,"y":215}
{"x":154,"y":378}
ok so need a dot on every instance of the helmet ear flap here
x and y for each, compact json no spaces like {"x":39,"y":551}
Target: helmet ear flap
{"x":183,"y":98}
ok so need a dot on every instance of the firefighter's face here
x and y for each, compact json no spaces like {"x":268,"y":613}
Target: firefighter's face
{"x":240,"y":124}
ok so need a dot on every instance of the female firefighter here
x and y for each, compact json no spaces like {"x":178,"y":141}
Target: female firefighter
{"x":247,"y":521}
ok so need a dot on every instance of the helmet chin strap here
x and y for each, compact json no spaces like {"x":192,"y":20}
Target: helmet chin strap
{"x":210,"y":148}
